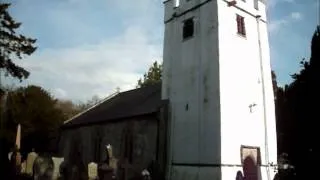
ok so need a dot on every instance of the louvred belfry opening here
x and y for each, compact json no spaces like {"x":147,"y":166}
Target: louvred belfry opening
{"x":241,"y":25}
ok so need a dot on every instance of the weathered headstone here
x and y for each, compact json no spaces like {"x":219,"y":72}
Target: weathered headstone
{"x":113,"y":162}
{"x":106,"y":170}
{"x":56,"y":167}
{"x":30,"y":160}
{"x":43,"y":168}
{"x":23,"y":167}
{"x":146,"y":175}
{"x":92,"y":171}
{"x":10,"y":155}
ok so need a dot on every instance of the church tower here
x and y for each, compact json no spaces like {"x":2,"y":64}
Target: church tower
{"x":217,"y":78}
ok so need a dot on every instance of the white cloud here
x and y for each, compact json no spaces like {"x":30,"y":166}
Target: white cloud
{"x":60,"y":93}
{"x":273,"y":3}
{"x":275,"y":25}
{"x":296,"y":15}
{"x":98,"y":69}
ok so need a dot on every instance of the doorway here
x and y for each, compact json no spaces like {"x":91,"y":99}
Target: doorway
{"x":251,"y":162}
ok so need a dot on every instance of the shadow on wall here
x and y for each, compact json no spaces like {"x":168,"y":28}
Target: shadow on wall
{"x":251,"y":170}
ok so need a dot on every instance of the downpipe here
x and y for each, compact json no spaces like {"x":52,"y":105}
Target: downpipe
{"x":264,"y":100}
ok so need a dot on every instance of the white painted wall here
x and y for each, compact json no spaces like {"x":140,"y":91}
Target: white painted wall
{"x":241,"y":85}
{"x":217,"y":75}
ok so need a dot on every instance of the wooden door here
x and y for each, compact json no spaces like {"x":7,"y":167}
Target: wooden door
{"x":251,"y":162}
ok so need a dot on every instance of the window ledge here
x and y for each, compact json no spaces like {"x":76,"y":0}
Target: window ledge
{"x":188,"y":38}
{"x":241,"y":35}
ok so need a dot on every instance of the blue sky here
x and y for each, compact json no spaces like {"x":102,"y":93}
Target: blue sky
{"x":91,"y":47}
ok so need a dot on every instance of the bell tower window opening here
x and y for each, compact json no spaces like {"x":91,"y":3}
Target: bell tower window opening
{"x":188,"y":28}
{"x":241,"y":25}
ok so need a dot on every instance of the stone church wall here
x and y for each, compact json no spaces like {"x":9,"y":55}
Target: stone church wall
{"x":91,"y":141}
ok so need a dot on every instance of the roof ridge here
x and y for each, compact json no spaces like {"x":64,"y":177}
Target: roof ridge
{"x":100,"y":102}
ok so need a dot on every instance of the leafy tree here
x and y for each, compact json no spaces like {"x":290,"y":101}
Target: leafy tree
{"x":153,"y":75}
{"x":35,"y":109}
{"x":68,"y":108}
{"x":13,"y":45}
{"x":297,"y":114}
{"x":91,"y":102}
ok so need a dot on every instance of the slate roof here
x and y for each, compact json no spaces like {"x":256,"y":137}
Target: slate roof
{"x":126,"y":104}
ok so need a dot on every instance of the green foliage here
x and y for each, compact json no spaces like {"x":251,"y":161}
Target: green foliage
{"x":35,"y":109}
{"x":153,"y":75}
{"x":82,"y":106}
{"x":297,"y":114}
{"x":13,"y":45}
{"x":68,"y":108}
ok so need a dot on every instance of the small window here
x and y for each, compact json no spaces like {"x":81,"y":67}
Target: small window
{"x":188,"y":28}
{"x":241,"y":25}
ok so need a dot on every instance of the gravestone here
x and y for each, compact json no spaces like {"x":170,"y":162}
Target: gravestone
{"x":43,"y":168}
{"x":146,"y":175}
{"x":105,"y":171}
{"x":63,"y":169}
{"x":30,"y":160}
{"x":56,"y":167}
{"x":113,"y":162}
{"x":92,"y":171}
{"x":23,"y":167}
{"x":10,"y":155}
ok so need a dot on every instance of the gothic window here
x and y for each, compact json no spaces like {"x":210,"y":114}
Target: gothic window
{"x":188,"y":28}
{"x":241,"y":25}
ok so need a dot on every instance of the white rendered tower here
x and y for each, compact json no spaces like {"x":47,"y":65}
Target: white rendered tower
{"x":217,"y":78}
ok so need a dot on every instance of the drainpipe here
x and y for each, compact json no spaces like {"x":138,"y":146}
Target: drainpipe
{"x":264,"y":100}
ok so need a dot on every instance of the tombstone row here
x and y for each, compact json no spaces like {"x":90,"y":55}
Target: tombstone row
{"x":36,"y":167}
